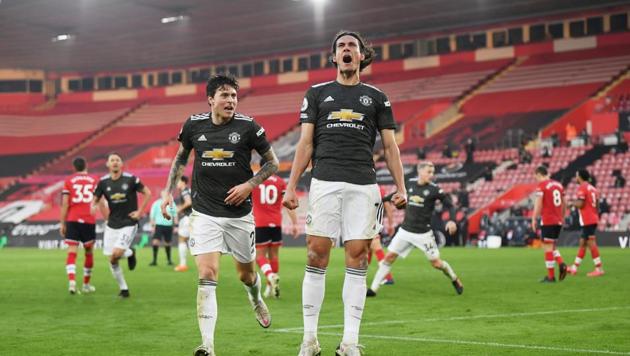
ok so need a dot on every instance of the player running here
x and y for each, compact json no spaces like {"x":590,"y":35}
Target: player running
{"x":77,"y":223}
{"x":587,"y":200}
{"x":120,"y":190}
{"x":550,"y":206}
{"x":340,"y":120}
{"x":221,"y":221}
{"x":416,"y":229}
{"x":267,"y":203}
{"x":184,"y":209}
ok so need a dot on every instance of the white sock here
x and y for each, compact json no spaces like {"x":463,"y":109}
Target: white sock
{"x":354,"y":288}
{"x":71,"y":269}
{"x":118,"y":275}
{"x":207,"y":311}
{"x":182,"y":249}
{"x":448,"y":271}
{"x":383,"y":270}
{"x":313,"y":288}
{"x":128,"y":253}
{"x":253,"y":291}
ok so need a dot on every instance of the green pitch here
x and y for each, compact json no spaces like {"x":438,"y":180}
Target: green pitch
{"x":504,"y":310}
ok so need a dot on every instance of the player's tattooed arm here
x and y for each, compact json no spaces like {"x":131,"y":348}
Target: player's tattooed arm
{"x":270,"y":167}
{"x":178,"y":167}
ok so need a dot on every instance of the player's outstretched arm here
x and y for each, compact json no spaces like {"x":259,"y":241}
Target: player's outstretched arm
{"x":239,"y":193}
{"x":177,"y":170}
{"x":303,"y":153}
{"x":394,"y":164}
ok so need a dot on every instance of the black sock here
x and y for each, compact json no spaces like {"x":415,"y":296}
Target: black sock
{"x":168,"y":253}
{"x":155,"y":252}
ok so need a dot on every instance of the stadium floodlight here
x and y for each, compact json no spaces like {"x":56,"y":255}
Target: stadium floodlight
{"x":62,"y":37}
{"x":171,"y":19}
{"x":318,"y":2}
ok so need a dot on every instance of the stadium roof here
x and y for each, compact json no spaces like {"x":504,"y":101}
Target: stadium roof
{"x":129,"y":34}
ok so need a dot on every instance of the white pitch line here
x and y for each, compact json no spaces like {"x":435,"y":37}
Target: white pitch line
{"x":482,"y":343}
{"x":469,"y":317}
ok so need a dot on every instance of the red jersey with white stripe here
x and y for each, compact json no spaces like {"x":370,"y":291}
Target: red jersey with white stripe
{"x":552,"y":194}
{"x":267,"y":202}
{"x":588,"y":211}
{"x":80,"y":188}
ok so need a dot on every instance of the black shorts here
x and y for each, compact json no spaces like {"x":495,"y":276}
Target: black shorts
{"x":78,"y":232}
{"x":588,"y":231}
{"x":163,"y":233}
{"x":268,"y":235}
{"x":550,"y":232}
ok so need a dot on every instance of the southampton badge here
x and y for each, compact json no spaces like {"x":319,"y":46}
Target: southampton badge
{"x":234,"y":137}
{"x":365,"y":100}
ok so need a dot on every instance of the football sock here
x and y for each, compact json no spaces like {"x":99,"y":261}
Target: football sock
{"x":380,"y":256}
{"x":253,"y":291}
{"x":275,"y":264}
{"x":550,"y":264}
{"x":71,"y":268}
{"x":155,"y":253}
{"x":381,"y":273}
{"x":557,"y":256}
{"x":87,"y":267}
{"x":595,"y":254}
{"x":579,"y":257}
{"x":118,"y":275}
{"x":207,"y":311}
{"x":313,"y":288}
{"x":264,"y":265}
{"x":168,"y":253}
{"x":181,"y":249}
{"x":128,"y":253}
{"x":448,"y":271}
{"x":354,"y":289}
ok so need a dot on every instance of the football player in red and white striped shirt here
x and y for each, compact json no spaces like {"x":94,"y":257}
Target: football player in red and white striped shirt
{"x":586,"y":202}
{"x":267,"y":204}
{"x":550,"y":206}
{"x":77,"y":222}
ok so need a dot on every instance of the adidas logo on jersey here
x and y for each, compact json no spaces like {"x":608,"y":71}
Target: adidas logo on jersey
{"x":202,"y":138}
{"x":328,"y":99}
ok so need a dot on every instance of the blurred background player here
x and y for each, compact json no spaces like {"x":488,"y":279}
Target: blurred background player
{"x":162,"y":228}
{"x":550,"y":206}
{"x":339,"y":123}
{"x":376,"y":246}
{"x":416,"y":229}
{"x":267,"y":204}
{"x":120,"y":190}
{"x":77,"y":223}
{"x":586,"y":202}
{"x":184,"y":208}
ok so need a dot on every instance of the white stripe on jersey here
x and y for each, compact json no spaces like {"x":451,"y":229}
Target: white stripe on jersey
{"x":104,"y":177}
{"x":373,"y":87}
{"x":243,"y":117}
{"x":321,"y":84}
{"x":202,"y":116}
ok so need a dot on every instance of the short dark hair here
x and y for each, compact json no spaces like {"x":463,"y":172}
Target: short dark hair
{"x":218,"y":81}
{"x":114,"y":153}
{"x":184,"y":179}
{"x":79,"y":164}
{"x":542,"y":170}
{"x":584,"y":175}
{"x":365,"y":48}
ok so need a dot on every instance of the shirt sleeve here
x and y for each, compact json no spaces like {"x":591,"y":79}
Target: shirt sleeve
{"x":66,"y":187}
{"x":100,"y":190}
{"x":539,"y":191}
{"x":445,"y":198}
{"x":308,"y":111}
{"x":384,"y":114}
{"x":259,"y":139}
{"x":581,"y":193}
{"x":184,"y":135}
{"x":138,"y":183}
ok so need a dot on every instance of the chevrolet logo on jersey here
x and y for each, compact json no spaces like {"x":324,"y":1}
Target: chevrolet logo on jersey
{"x":217,"y":154}
{"x":416,"y":200}
{"x":117,"y":196}
{"x":345,"y":115}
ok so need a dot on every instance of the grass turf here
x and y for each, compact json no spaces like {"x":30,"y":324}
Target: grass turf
{"x":503,"y":311}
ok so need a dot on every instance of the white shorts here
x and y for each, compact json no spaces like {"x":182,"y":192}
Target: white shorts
{"x":225,"y":235}
{"x":118,"y":238}
{"x":183,"y":229}
{"x":340,"y":209}
{"x":404,"y":241}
